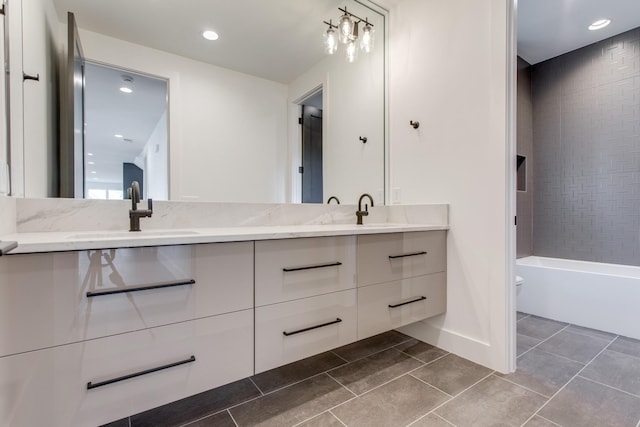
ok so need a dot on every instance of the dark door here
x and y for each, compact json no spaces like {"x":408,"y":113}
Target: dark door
{"x":130,"y":173}
{"x":311,"y":155}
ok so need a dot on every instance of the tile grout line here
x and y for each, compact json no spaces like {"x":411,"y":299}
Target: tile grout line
{"x":426,"y":415}
{"x":338,"y":356}
{"x":544,"y":340}
{"x":450,"y":400}
{"x":626,"y":354}
{"x":555,"y":424}
{"x":337,"y":418}
{"x":431,"y":385}
{"x":187,"y":424}
{"x":256,"y":386}
{"x":341,"y":385}
{"x":523,"y":387}
{"x":567,"y":383}
{"x":232,"y":419}
{"x":422,"y":361}
{"x":609,"y":386}
{"x":563,"y":357}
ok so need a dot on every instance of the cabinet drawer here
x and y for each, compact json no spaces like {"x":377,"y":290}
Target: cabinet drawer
{"x":298,"y":268}
{"x":301,"y":320}
{"x":49,"y":387}
{"x":50,"y":306}
{"x":390,"y":305}
{"x":387,"y":257}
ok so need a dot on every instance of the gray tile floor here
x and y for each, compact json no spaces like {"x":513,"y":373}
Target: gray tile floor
{"x":566,"y":376}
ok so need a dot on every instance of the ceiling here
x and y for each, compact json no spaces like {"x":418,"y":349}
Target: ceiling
{"x":548,"y":28}
{"x":273,"y":39}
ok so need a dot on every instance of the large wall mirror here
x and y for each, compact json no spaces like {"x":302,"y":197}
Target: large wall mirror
{"x":235,"y":105}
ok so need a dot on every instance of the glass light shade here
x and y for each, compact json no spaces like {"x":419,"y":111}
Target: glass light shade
{"x":366,"y":39}
{"x":351,"y":51}
{"x":345,"y":26}
{"x":330,"y":41}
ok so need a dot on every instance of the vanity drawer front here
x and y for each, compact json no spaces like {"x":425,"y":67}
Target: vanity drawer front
{"x":297,"y":268}
{"x":49,"y":387}
{"x":48,"y":292}
{"x":411,"y":300}
{"x":313,"y":325}
{"x":395,"y":256}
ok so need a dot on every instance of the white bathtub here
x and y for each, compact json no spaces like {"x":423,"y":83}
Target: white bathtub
{"x":595,"y":295}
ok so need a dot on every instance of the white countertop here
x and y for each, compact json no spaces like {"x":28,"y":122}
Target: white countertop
{"x":73,"y":241}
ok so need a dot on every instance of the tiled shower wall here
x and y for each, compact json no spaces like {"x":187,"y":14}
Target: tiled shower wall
{"x":524,"y":199}
{"x":586,"y":139}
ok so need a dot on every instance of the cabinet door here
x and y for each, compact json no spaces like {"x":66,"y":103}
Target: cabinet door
{"x":65,"y":297}
{"x":395,"y":256}
{"x":50,"y":387}
{"x":293,"y":330}
{"x":298,"y":268}
{"x":386,"y":306}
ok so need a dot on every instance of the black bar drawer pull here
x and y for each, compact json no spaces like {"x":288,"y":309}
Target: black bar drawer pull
{"x":333,"y":322}
{"x":91,"y":385}
{"x":406,"y":255}
{"x":142,"y":288}
{"x":422,"y":298}
{"x":309,"y":267}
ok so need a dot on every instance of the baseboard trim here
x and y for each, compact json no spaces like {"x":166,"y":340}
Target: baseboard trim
{"x":470,"y":348}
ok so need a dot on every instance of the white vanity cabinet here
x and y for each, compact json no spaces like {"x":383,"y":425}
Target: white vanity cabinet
{"x":50,"y":387}
{"x":64,"y":297}
{"x":305,"y":298}
{"x":71,"y":318}
{"x":401,"y":279}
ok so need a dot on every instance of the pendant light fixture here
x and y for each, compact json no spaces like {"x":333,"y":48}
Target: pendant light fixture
{"x":346,"y":33}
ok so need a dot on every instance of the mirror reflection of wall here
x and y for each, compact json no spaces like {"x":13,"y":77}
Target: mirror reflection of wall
{"x":126,"y":124}
{"x":233,"y":126}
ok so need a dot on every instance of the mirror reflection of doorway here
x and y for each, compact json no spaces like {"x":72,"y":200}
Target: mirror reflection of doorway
{"x":126,"y":130}
{"x":312,"y":149}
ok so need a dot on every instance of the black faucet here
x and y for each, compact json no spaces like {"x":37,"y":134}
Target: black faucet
{"x":360,"y":213}
{"x":333,"y":198}
{"x":134,"y":213}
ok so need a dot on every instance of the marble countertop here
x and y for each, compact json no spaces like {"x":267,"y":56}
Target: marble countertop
{"x":35,"y":242}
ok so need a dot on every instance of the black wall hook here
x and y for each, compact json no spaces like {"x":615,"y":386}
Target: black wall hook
{"x":363,"y":139}
{"x":28,"y":77}
{"x":415,"y":125}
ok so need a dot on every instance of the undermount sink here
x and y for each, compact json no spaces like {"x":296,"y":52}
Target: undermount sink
{"x":131,"y":234}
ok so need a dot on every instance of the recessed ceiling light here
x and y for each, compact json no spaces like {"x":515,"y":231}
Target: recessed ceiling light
{"x":210,"y":35}
{"x":599,"y":24}
{"x":89,"y":154}
{"x":125,"y":89}
{"x":93,"y":171}
{"x":117,"y":135}
{"x":91,"y":163}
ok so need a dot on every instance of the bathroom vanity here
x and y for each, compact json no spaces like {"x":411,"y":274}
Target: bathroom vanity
{"x":94,"y":329}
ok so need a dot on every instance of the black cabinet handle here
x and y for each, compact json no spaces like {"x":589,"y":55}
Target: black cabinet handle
{"x":159,"y":285}
{"x":406,"y":255}
{"x":422,"y":298}
{"x":309,"y":267}
{"x":333,"y":322}
{"x":91,"y":385}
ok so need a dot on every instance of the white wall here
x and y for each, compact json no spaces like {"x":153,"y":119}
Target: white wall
{"x":35,"y":50}
{"x":448,"y":71}
{"x":353,"y":106}
{"x":227,"y":130}
{"x":155,"y":162}
{"x":40,"y":56}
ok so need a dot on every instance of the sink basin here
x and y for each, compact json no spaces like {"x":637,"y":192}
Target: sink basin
{"x":131,"y":234}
